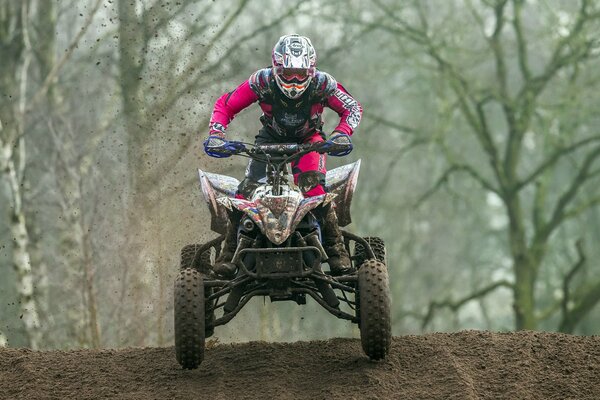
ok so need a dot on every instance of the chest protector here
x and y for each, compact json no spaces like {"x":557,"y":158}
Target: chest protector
{"x":291,"y":118}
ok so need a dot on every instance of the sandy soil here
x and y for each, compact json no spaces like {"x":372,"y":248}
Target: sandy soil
{"x":463,"y":365}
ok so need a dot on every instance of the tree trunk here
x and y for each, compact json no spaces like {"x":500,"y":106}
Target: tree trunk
{"x":524,"y":266}
{"x":88,"y":274}
{"x":131,"y":56}
{"x":524,"y":297}
{"x":21,"y":259}
{"x":46,"y":48}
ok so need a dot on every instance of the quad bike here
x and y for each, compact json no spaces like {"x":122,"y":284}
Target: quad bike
{"x":280,"y":255}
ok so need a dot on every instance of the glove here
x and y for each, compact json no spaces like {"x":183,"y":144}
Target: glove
{"x":339,"y":144}
{"x":216,"y":146}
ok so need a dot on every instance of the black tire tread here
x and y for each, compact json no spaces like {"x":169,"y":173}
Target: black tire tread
{"x":189,"y":318}
{"x":377,"y":245}
{"x":374,"y":309}
{"x":188,"y":258}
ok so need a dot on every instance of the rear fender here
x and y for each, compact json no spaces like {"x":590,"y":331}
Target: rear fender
{"x":342,"y":182}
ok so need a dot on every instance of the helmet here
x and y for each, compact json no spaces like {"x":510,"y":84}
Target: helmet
{"x":294,"y":60}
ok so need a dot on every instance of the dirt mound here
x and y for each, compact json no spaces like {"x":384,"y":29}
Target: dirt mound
{"x":464,"y":365}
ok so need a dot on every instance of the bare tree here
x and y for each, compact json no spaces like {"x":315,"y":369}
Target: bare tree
{"x":17,"y":53}
{"x":510,"y":170}
{"x":150,"y":91}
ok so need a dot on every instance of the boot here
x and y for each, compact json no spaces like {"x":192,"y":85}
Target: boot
{"x":223,"y":265}
{"x":333,"y":242}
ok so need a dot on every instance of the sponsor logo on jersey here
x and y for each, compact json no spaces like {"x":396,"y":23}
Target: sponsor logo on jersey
{"x":351,"y":105}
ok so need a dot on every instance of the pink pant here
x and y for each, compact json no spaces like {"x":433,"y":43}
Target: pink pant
{"x":311,"y":162}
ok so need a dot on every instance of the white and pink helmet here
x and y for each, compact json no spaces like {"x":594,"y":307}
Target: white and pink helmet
{"x":294,"y":60}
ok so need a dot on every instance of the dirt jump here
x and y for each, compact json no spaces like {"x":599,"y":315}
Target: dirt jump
{"x":463,"y":365}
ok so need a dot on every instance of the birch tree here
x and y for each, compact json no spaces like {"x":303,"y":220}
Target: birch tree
{"x":16,"y":54}
{"x":20,"y":97}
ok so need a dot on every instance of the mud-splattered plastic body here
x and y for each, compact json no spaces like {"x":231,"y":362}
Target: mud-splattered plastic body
{"x":277,"y":215}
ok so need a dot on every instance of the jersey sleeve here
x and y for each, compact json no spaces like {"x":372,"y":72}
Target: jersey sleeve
{"x":229,"y":105}
{"x":348,"y":108}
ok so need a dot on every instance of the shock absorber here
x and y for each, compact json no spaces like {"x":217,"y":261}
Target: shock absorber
{"x":236,"y":293}
{"x":324,"y":288}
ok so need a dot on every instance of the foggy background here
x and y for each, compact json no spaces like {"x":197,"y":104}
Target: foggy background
{"x":480,"y":143}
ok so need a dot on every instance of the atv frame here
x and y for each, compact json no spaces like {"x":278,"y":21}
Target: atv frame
{"x":294,"y":284}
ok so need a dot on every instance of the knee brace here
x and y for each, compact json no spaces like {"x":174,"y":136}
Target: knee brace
{"x":247,"y":186}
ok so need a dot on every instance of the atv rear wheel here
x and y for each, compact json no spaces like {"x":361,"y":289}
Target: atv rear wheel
{"x":190,"y":258}
{"x":189,"y":318}
{"x":377,"y":245}
{"x":374,"y":309}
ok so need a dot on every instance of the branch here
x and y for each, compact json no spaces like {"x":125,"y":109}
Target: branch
{"x":587,"y":300}
{"x":415,"y":34}
{"x":392,"y":124}
{"x":534,"y":86}
{"x":419,"y":36}
{"x":524,"y":103}
{"x":346,"y":43}
{"x":584,"y":300}
{"x":66,"y":56}
{"x":446,"y":175}
{"x":206,"y":72}
{"x":569,"y":277}
{"x":497,"y":48}
{"x":226,"y":25}
{"x":485,"y":139}
{"x":521,"y":42}
{"x":559,"y":215}
{"x":594,"y":201}
{"x":553,"y":159}
{"x":472,"y":109}
{"x":455,"y":305}
{"x":395,"y":160}
{"x":154,"y":23}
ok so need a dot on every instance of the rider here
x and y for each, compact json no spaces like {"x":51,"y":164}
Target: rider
{"x":292,"y":94}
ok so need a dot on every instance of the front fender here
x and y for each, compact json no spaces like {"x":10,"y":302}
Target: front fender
{"x":215,"y":187}
{"x":277,"y":217}
{"x":342,"y":182}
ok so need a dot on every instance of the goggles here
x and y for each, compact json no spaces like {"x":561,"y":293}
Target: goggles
{"x":297,"y":75}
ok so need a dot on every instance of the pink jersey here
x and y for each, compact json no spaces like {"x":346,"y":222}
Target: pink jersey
{"x":290,"y":119}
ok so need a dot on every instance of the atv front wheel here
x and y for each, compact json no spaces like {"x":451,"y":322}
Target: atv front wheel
{"x":189,"y":318}
{"x":374,"y":309}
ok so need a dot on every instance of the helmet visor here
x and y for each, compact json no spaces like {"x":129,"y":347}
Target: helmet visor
{"x":296,"y":75}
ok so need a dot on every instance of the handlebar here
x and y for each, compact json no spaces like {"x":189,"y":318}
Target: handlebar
{"x":280,"y":151}
{"x":283,"y":149}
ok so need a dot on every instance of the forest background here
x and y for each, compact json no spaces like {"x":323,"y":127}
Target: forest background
{"x":480,"y":145}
